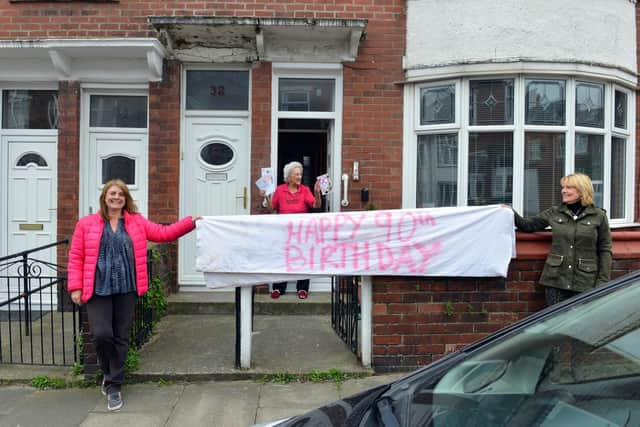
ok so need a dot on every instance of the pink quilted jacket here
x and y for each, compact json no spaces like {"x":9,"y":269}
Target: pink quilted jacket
{"x":85,"y":245}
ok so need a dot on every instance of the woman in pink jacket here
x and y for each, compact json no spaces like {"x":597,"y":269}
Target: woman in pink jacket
{"x":108,"y":271}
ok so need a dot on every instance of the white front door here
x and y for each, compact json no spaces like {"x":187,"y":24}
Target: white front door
{"x":215,"y":179}
{"x":32,"y":201}
{"x":114,"y":144}
{"x":117,"y":154}
{"x":32,"y":193}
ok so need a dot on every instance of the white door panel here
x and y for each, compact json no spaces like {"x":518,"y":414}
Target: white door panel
{"x":215,"y":179}
{"x":128,"y":148}
{"x":31,"y":198}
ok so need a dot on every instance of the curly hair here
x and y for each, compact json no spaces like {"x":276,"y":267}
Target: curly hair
{"x":288,"y":169}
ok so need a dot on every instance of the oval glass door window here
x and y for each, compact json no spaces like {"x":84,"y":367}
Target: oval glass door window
{"x":216,"y":154}
{"x":119,"y":167}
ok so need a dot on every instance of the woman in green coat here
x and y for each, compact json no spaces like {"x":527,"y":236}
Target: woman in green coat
{"x":580,"y":257}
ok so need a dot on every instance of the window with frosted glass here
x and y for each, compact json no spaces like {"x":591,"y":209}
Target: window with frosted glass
{"x":437,"y":170}
{"x":544,"y":162}
{"x":545,"y":102}
{"x":589,"y":105}
{"x":217,"y":90}
{"x":118,"y":111}
{"x":437,"y":105}
{"x":491,"y":102}
{"x":589,"y":160}
{"x":119,"y":167}
{"x":30,"y":109}
{"x":620,"y":110}
{"x":306,"y":94}
{"x":490,"y":168}
{"x":618,"y":174}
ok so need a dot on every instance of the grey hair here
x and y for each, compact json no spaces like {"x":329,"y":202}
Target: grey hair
{"x":289,"y":167}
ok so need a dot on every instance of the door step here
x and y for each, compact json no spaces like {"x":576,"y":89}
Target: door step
{"x":318,"y":303}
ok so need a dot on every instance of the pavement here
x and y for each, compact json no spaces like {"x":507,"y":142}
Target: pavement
{"x":187,"y":376}
{"x":206,"y":403}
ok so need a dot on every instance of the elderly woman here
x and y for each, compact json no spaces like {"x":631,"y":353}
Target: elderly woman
{"x":108,"y":271}
{"x":293,"y":197}
{"x":580,"y":257}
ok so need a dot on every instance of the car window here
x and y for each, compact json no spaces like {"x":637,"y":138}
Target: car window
{"x":579,"y":367}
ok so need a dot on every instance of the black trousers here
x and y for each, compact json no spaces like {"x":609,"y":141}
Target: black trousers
{"x":555,"y":295}
{"x":110,"y":318}
{"x":301,"y":285}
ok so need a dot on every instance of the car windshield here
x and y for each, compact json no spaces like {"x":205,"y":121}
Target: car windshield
{"x":580,"y":366}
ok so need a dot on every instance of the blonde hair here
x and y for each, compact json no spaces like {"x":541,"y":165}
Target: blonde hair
{"x":288,"y":169}
{"x":583,"y":184}
{"x":129,"y":205}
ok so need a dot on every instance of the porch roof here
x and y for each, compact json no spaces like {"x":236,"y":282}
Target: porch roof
{"x":237,"y":39}
{"x":133,"y":60}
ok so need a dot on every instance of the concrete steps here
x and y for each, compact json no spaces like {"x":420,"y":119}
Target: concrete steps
{"x":189,"y":303}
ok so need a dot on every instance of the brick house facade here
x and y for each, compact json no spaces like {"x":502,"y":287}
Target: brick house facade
{"x":415,"y":320}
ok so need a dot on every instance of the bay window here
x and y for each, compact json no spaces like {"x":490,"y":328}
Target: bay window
{"x":510,"y":139}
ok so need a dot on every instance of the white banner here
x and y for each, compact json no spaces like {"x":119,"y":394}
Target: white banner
{"x":256,"y":249}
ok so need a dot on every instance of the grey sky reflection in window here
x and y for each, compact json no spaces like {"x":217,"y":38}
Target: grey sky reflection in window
{"x":590,"y":105}
{"x":216,"y":154}
{"x":491,"y":102}
{"x":306,"y":94}
{"x":620,"y":113}
{"x":119,"y":167}
{"x":545,"y":102}
{"x":217,"y":90}
{"x":118,"y":111}
{"x":30,"y":109}
{"x":438,"y":105}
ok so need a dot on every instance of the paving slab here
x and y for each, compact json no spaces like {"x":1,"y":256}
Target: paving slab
{"x":67,"y":407}
{"x":285,"y":400}
{"x":217,"y":404}
{"x":144,"y":405}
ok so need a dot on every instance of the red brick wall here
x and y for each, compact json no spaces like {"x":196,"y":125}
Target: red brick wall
{"x":260,"y":126}
{"x":164,"y":162}
{"x":372,"y":120}
{"x":164,"y":145}
{"x":420,"y":319}
{"x":69,"y":155}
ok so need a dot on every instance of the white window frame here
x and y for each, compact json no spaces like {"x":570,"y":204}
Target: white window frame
{"x":412,"y":129}
{"x":311,"y":71}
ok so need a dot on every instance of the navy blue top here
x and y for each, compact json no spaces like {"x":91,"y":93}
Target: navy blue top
{"x":115,"y":273}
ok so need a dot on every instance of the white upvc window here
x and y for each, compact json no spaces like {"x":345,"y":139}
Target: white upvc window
{"x":510,"y":138}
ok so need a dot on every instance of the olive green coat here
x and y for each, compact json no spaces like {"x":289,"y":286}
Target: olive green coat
{"x":580,"y":257}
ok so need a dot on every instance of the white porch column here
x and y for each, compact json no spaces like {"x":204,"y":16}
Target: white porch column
{"x":366,"y":308}
{"x":246,"y":309}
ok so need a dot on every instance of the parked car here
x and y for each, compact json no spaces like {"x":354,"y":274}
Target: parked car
{"x":574,"y":364}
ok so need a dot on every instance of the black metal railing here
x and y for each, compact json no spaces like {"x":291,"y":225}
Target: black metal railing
{"x":345,"y":309}
{"x":143,"y":317}
{"x":38,"y":323}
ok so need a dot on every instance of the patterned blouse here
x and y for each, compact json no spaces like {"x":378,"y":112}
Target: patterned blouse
{"x":115,"y":272}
